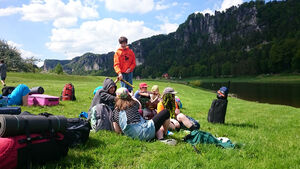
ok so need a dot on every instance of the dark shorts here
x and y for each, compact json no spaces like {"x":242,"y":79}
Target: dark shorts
{"x":3,"y":78}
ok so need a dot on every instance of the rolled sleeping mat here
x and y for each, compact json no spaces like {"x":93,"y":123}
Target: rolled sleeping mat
{"x":12,"y":125}
{"x":37,"y":90}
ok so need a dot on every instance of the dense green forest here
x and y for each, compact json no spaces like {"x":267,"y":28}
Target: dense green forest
{"x":255,"y":38}
{"x":14,"y":61}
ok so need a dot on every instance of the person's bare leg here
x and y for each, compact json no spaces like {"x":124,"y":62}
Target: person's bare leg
{"x":182,"y":118}
{"x":160,"y":133}
{"x":3,"y":82}
{"x":166,"y":126}
{"x":25,"y":100}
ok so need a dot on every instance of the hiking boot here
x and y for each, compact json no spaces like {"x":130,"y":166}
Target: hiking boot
{"x":171,"y":142}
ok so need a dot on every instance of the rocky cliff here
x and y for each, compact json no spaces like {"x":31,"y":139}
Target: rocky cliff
{"x":238,"y":41}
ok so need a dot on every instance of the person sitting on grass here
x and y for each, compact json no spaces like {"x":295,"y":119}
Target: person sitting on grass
{"x":168,"y":102}
{"x":19,"y":96}
{"x":142,"y":94}
{"x":155,"y":96}
{"x":106,"y":95}
{"x":127,"y":120}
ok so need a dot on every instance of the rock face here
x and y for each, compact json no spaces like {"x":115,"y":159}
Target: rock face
{"x":203,"y":43}
{"x":86,"y":62}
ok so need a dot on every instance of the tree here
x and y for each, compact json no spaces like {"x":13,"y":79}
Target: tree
{"x":58,"y":69}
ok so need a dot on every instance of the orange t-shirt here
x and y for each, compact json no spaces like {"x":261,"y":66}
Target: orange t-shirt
{"x":124,"y":59}
{"x":161,"y":107}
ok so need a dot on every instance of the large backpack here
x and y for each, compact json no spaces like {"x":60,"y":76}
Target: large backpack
{"x":24,"y":150}
{"x":101,"y":117}
{"x":68,"y":92}
{"x":217,"y":111}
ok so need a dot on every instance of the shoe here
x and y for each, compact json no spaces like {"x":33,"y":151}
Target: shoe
{"x":171,"y":142}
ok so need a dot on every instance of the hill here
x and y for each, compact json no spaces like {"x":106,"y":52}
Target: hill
{"x":254,"y":38}
{"x":269,"y":133}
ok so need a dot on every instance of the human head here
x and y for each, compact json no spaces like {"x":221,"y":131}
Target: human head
{"x":155,"y":89}
{"x":123,"y":99}
{"x":1,"y":61}
{"x":112,"y":90}
{"x":169,"y":90}
{"x":143,"y":87}
{"x":123,"y":42}
{"x":122,"y":93}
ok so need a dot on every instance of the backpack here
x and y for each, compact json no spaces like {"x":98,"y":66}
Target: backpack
{"x":197,"y":137}
{"x":217,"y":111}
{"x":222,"y":93}
{"x":101,"y":117}
{"x":68,"y":92}
{"x":77,"y":132}
{"x":24,"y":150}
{"x":7,"y":90}
{"x":43,"y":145}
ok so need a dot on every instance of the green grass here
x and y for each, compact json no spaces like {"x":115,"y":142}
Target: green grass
{"x":270,"y":134}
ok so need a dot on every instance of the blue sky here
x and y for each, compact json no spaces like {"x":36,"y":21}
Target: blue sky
{"x":63,"y":29}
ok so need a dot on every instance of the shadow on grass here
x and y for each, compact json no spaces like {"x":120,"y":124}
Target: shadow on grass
{"x":243,"y":125}
{"x":91,"y":144}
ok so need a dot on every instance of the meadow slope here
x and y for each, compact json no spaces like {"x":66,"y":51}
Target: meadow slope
{"x":269,"y":134}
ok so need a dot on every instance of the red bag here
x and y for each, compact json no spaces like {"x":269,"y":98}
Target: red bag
{"x":21,"y":151}
{"x":68,"y":92}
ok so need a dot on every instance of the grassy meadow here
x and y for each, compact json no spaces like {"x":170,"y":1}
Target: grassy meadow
{"x":269,"y":134}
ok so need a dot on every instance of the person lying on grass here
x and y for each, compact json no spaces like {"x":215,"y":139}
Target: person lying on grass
{"x":168,"y":103}
{"x":106,"y":95}
{"x":127,"y":120}
{"x":19,"y":96}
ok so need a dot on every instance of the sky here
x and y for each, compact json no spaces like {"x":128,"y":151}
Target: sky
{"x":64,"y":29}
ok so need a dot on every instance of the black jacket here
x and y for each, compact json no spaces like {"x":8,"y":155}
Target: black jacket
{"x":102,"y":95}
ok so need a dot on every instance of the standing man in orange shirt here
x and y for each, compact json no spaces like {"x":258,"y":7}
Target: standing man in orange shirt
{"x":124,"y":63}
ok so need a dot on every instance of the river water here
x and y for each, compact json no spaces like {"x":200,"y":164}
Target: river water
{"x":274,"y":93}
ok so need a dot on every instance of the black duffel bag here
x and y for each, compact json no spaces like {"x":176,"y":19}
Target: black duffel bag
{"x":77,"y":131}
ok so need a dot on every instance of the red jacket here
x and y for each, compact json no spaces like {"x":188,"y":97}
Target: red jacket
{"x":124,"y":59}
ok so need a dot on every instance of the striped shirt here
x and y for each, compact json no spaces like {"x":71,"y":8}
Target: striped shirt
{"x":132,"y":113}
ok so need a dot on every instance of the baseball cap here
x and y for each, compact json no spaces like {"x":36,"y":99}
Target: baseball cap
{"x":122,"y":93}
{"x":143,"y":85}
{"x":169,"y":90}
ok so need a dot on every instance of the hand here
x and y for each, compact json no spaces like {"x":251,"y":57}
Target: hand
{"x":128,"y":70}
{"x":177,"y":111}
{"x":120,"y":76}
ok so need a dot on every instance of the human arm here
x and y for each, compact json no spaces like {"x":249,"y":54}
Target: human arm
{"x":117,"y":66}
{"x":106,"y":97}
{"x":117,"y":128}
{"x":133,"y":63}
{"x":25,"y":100}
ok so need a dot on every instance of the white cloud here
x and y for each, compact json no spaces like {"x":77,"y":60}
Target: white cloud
{"x":225,"y":5}
{"x":24,"y":53}
{"x":96,"y":36}
{"x":160,"y":5}
{"x":166,"y":27}
{"x":65,"y":22}
{"x":9,"y":11}
{"x":129,"y":6}
{"x":229,"y":3}
{"x":205,"y":11}
{"x":53,"y":10}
